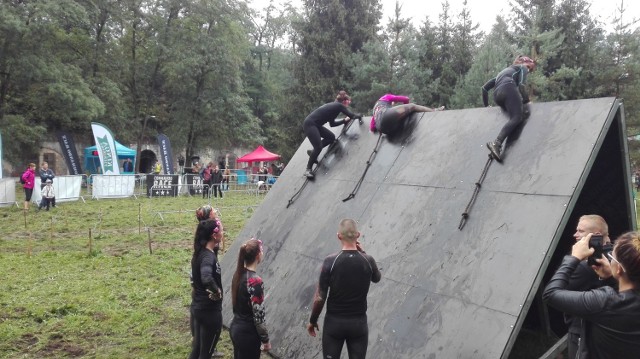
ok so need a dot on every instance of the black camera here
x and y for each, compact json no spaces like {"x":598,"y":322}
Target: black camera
{"x":596,"y":242}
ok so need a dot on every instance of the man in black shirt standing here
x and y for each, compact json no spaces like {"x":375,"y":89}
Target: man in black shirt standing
{"x":345,"y":277}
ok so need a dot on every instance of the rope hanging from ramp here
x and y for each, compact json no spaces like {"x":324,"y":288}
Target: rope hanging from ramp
{"x":369,"y":161}
{"x":476,"y":190}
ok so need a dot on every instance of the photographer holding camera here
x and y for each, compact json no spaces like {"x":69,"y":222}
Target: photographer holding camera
{"x":584,"y":277}
{"x":610,"y":317}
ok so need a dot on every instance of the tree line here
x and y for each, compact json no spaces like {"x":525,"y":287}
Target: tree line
{"x":217,"y":73}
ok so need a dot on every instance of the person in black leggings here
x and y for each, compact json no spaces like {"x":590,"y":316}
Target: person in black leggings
{"x":318,"y":135}
{"x":206,"y":294}
{"x":248,"y":329}
{"x":388,"y":118}
{"x":510,"y":94}
{"x":345,"y":277}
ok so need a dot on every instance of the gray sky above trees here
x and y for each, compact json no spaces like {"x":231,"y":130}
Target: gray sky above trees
{"x":482,"y":11}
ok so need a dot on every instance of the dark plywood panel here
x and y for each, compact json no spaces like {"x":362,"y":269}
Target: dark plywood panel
{"x":439,"y":284}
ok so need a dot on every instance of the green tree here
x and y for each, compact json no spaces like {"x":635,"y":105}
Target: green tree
{"x":330,"y":31}
{"x":41,"y":82}
{"x":495,"y":53}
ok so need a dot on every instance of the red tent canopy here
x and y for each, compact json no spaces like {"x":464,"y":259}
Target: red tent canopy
{"x":259,"y":154}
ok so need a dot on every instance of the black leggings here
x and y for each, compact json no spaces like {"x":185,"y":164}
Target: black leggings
{"x":245,"y":339}
{"x":216,"y":189}
{"x":337,"y":330}
{"x":320,"y":137}
{"x":207,"y":325}
{"x":509,"y":99}
{"x":391,"y":119}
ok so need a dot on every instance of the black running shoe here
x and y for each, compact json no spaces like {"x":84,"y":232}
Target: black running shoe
{"x":495,"y":150}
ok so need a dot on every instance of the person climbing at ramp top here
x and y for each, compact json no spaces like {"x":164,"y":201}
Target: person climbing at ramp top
{"x":318,"y":135}
{"x":512,"y":97}
{"x":388,"y":118}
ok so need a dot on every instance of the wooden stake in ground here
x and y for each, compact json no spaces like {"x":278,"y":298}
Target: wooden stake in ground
{"x":29,"y":245}
{"x":90,"y":242}
{"x":139,"y":218}
{"x":149,"y":236}
{"x":100,"y":224}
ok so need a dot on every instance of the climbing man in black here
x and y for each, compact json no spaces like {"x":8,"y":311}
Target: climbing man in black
{"x":319,"y":136}
{"x":344,"y":283}
{"x":510,"y":94}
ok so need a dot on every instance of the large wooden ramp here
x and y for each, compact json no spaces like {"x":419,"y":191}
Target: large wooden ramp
{"x":445,"y":292}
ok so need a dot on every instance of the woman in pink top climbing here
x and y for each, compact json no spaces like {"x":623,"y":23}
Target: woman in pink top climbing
{"x":388,"y":118}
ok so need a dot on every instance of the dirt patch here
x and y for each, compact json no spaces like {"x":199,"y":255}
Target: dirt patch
{"x":58,"y":347}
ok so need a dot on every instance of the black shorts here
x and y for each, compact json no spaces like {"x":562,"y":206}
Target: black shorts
{"x":28,"y":192}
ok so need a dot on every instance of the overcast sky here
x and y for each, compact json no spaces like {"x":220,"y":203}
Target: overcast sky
{"x":482,"y":11}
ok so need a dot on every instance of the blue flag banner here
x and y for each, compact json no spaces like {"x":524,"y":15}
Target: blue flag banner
{"x":70,"y":153}
{"x":165,"y":154}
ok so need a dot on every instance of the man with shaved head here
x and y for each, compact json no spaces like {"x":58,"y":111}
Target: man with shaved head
{"x":584,"y":278}
{"x":345,"y":278}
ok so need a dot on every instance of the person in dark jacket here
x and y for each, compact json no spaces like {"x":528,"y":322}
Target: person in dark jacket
{"x":46,"y":173}
{"x":344,"y":283}
{"x":318,"y":135}
{"x":610,"y":318}
{"x":512,"y":96}
{"x":216,"y":181}
{"x":206,"y":294}
{"x":248,"y":329}
{"x":584,"y":277}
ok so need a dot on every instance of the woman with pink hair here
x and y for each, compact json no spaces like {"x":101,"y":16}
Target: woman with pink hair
{"x":388,"y":118}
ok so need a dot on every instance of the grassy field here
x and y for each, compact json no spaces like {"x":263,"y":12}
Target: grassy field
{"x":103,"y":279}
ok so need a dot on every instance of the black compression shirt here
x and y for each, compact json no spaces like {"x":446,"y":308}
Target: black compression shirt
{"x":328,"y":113}
{"x":206,"y":275}
{"x":345,"y":277}
{"x":514,"y":74}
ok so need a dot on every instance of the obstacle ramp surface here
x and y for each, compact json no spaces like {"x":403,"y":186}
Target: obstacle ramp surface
{"x":445,"y":293}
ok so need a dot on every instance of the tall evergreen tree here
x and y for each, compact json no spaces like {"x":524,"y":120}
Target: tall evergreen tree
{"x":495,"y":53}
{"x":330,"y":32}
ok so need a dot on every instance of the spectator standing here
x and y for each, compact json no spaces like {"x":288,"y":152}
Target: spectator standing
{"x":206,"y":294}
{"x":584,"y":277}
{"x":45,"y":173}
{"x":206,"y":181}
{"x":610,"y":318}
{"x":249,"y":333}
{"x":216,"y":180}
{"x":28,"y":180}
{"x":344,"y":283}
{"x":225,"y":179}
{"x":127,"y":166}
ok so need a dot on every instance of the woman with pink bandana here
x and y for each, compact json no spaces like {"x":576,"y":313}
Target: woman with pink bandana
{"x":388,"y":118}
